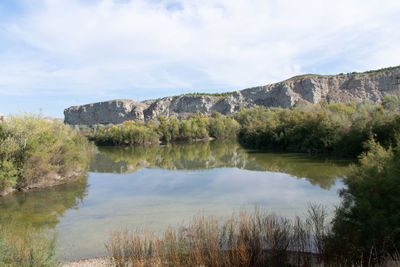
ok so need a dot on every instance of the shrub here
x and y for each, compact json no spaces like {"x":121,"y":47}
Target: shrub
{"x":336,"y":128}
{"x":368,"y":220}
{"x":34,"y":151}
{"x":221,"y":126}
{"x":26,"y":249}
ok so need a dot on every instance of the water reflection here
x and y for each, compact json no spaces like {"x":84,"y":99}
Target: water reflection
{"x":155,"y":187}
{"x":42,"y":209}
{"x":319,"y":170}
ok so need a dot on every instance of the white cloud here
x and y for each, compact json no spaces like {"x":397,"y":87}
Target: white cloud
{"x":77,"y":46}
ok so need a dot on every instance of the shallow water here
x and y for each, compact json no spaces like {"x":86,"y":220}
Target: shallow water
{"x":154,"y":187}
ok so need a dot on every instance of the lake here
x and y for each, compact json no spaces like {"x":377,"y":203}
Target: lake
{"x":160,"y":186}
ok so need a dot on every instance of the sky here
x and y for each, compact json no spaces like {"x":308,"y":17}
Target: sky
{"x":58,"y":53}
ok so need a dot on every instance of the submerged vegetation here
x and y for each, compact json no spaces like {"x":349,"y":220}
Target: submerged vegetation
{"x":35,"y":152}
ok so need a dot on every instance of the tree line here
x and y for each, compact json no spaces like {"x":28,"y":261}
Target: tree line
{"x":196,"y":127}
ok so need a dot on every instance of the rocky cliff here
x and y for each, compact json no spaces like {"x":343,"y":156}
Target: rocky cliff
{"x":373,"y":86}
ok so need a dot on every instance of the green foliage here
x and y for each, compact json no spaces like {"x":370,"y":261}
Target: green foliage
{"x":196,"y":127}
{"x":336,"y":128}
{"x":391,"y":103}
{"x":129,"y":133}
{"x":208,"y":94}
{"x":221,"y":127}
{"x":33,"y":150}
{"x":26,"y":249}
{"x":382,"y":69}
{"x":368,"y":221}
{"x":373,"y":71}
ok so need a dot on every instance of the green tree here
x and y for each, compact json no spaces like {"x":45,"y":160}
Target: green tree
{"x":367,"y":224}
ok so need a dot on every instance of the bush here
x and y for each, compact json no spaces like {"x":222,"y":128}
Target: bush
{"x":368,"y":220}
{"x":26,"y":249}
{"x":35,"y":152}
{"x":337,"y":128}
{"x":221,"y":127}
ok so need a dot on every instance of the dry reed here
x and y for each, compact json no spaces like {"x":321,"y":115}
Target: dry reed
{"x":250,"y":239}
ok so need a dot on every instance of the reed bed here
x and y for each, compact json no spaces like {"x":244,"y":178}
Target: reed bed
{"x":249,"y":239}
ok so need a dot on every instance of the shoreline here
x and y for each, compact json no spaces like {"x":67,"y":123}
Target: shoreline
{"x":95,"y":262}
{"x":56,"y":180}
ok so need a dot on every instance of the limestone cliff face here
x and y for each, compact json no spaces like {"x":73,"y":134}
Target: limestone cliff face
{"x":297,"y":90}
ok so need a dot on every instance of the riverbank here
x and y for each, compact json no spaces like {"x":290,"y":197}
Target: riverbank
{"x":339,"y":129}
{"x":36,"y":153}
{"x":95,"y":262}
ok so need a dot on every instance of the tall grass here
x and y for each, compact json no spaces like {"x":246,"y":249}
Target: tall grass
{"x":249,"y":239}
{"x":27,"y":248}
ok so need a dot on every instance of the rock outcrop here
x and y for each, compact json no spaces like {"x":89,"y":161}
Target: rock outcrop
{"x":302,"y":89}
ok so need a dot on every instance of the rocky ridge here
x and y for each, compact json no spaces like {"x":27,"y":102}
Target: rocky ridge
{"x":303,"y":89}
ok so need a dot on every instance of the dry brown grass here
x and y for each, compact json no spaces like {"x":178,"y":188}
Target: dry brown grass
{"x":249,"y":239}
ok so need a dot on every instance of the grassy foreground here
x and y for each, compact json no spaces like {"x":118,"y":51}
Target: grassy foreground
{"x":26,"y":249}
{"x":249,"y":239}
{"x":35,"y":152}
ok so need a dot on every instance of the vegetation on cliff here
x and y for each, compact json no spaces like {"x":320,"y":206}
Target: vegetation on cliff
{"x":35,"y":152}
{"x":208,"y":94}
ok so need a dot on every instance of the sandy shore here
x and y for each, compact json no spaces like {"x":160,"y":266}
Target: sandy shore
{"x":96,"y":262}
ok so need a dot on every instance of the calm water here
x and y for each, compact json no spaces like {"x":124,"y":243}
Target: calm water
{"x":155,"y":187}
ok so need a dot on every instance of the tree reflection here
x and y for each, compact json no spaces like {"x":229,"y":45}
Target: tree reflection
{"x":41,"y":209}
{"x":319,"y":170}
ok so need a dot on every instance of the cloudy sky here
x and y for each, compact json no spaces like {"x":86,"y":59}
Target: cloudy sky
{"x":59,"y":53}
